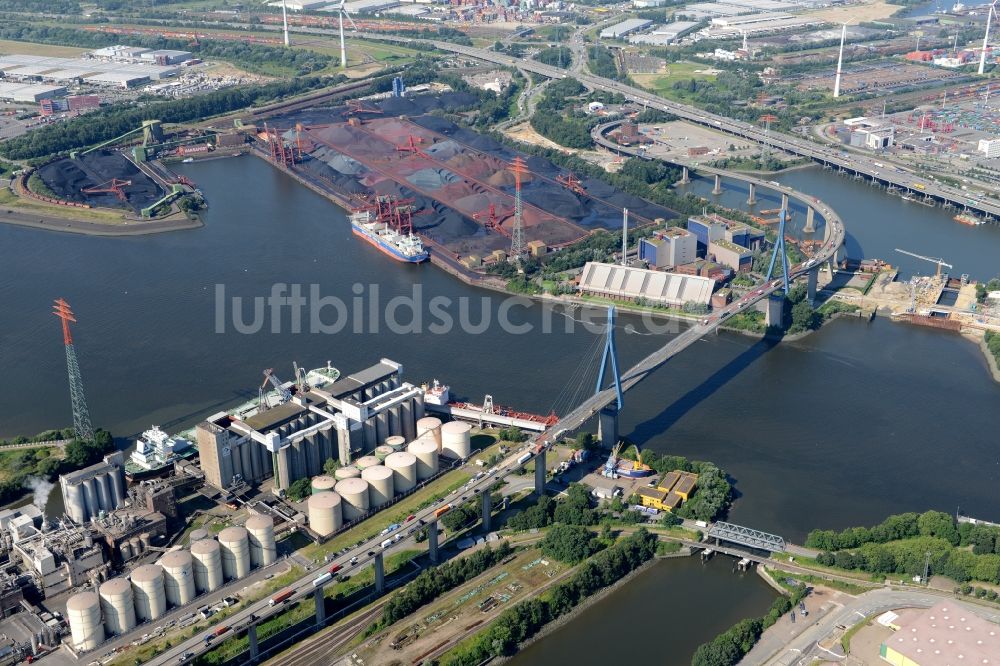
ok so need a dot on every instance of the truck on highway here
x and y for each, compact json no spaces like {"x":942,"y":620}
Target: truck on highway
{"x":443,"y":510}
{"x":281,"y":597}
{"x":325,"y":578}
{"x":523,"y":458}
{"x":385,"y":544}
{"x":334,"y":569}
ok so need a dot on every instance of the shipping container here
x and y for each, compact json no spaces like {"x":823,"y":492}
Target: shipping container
{"x":386,"y":543}
{"x":281,"y":597}
{"x":524,"y":458}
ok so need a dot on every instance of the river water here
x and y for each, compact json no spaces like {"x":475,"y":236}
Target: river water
{"x":661,"y":616}
{"x":852,"y":423}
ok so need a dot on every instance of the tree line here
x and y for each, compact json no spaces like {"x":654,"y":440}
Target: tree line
{"x":108,"y":123}
{"x":19,"y":466}
{"x":522,"y":621}
{"x":901,"y":543}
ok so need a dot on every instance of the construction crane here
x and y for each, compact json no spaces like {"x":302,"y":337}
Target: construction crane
{"x":933,"y":260}
{"x":284,"y":394}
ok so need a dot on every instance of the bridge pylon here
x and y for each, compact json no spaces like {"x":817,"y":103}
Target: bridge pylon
{"x":779,"y":249}
{"x":607,"y":423}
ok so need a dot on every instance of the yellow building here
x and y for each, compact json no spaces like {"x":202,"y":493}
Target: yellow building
{"x":672,"y":489}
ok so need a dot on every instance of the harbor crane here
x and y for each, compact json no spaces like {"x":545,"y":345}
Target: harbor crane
{"x":284,"y":394}
{"x":113,"y":186}
{"x":933,"y":260}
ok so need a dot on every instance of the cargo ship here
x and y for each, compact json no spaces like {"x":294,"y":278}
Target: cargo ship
{"x":401,"y":247}
{"x":968,"y":218}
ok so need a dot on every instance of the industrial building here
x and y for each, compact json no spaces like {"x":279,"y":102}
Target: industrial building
{"x":669,"y":248}
{"x":294,"y":439}
{"x":989,"y":147}
{"x":31,"y":93}
{"x":707,"y":228}
{"x":625,"y":28}
{"x":942,"y":635}
{"x":125,"y":72}
{"x":61,"y":559}
{"x":299,"y":5}
{"x":664,"y":34}
{"x":670,"y":491}
{"x":744,"y":235}
{"x":730,"y":254}
{"x":639,"y":284}
{"x":99,"y":488}
{"x":166,"y":56}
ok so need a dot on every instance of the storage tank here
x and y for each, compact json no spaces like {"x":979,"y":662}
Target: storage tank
{"x":263,"y":550}
{"x":354,"y":493}
{"x":235,"y":545}
{"x":83,"y":611}
{"x":117,"y":606}
{"x":396,"y":442}
{"x":198,"y":535}
{"x":178,"y":577}
{"x":456,"y":439}
{"x":404,"y":470}
{"x":325,"y":513}
{"x":347,"y":472}
{"x":125,"y":550}
{"x":147,"y":590}
{"x":367,"y":461}
{"x":426,"y":452}
{"x":76,"y":504}
{"x":322,"y":483}
{"x":380,"y":486}
{"x":207,"y":565}
{"x":430,"y":425}
{"x":381,"y":452}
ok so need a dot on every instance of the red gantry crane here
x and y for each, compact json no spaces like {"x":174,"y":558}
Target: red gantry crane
{"x":113,"y":186}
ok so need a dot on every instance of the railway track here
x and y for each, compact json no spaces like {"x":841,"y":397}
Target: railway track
{"x":322,"y":647}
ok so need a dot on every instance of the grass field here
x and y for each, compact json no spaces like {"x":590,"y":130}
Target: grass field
{"x":30,"y":48}
{"x":13,"y":202}
{"x":662,"y":84}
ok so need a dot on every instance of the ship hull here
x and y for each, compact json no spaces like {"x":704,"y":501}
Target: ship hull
{"x":388,"y":249}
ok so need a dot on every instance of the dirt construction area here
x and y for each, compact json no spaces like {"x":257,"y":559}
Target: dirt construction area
{"x":67,"y":178}
{"x":439,"y":626}
{"x":454,"y":176}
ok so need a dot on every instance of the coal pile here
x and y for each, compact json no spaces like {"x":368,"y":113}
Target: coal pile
{"x":67,"y":178}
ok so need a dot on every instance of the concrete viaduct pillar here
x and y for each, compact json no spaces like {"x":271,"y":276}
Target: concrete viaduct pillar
{"x":811,"y":285}
{"x":718,"y":185}
{"x":607,"y":426}
{"x":487,"y":510}
{"x":810,"y":221}
{"x":252,"y":637}
{"x":773,"y":316}
{"x":752,"y":199}
{"x":685,"y":176}
{"x":320,"y":606}
{"x":784,"y":202}
{"x":379,"y":573}
{"x":432,"y":541}
{"x":540,"y":473}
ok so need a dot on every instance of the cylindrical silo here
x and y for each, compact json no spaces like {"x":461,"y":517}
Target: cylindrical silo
{"x":347,"y":472}
{"x":430,"y":425}
{"x":456,"y":439}
{"x":178,"y":577}
{"x":380,"y":487}
{"x":263,"y":550}
{"x":354,"y":496}
{"x":235,"y":544}
{"x":76,"y":503}
{"x":207,"y":565}
{"x":322,"y":483}
{"x":125,"y":550}
{"x":396,"y":442}
{"x":404,"y":470}
{"x":382,"y":451}
{"x":198,"y":535}
{"x":366,"y":461}
{"x":325,"y":513}
{"x":147,"y":590}
{"x":426,"y":452}
{"x":118,"y":606}
{"x":83,"y":611}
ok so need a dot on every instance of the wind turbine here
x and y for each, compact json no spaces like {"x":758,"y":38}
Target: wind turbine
{"x":284,"y":20}
{"x":840,"y":61}
{"x":342,"y":12}
{"x":986,"y":37}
